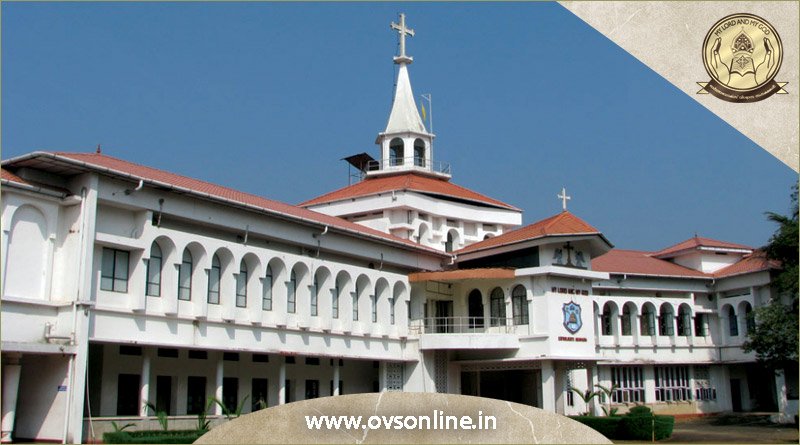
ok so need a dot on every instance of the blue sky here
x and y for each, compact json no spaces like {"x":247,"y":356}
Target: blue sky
{"x":268,"y":98}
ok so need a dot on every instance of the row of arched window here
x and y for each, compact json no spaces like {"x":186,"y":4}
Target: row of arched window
{"x":666,"y":323}
{"x":155,"y":263}
{"x":397,"y":152}
{"x":497,"y":307}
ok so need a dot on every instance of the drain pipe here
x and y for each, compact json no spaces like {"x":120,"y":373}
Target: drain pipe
{"x":318,"y":237}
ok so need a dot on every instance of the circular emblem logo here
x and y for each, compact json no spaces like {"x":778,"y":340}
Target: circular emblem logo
{"x":742,"y":53}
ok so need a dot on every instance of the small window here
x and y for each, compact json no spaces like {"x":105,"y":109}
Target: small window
{"x":130,"y":350}
{"x":230,"y":356}
{"x":168,"y":352}
{"x":335,"y":301}
{"x":391,"y":309}
{"x":260,"y":358}
{"x":666,"y":321}
{"x":374,"y":299}
{"x":355,"y":302}
{"x":114,"y":273}
{"x":625,"y":321}
{"x":241,"y":285}
{"x":497,"y":307}
{"x":448,"y":245}
{"x":648,"y":321}
{"x":314,"y":361}
{"x":606,"y":325}
{"x":315,"y":298}
{"x":154,"y":271}
{"x":213,"y":280}
{"x":198,"y":355}
{"x":700,"y":325}
{"x":520,"y":305}
{"x":419,"y":153}
{"x":733,"y":323}
{"x":291,"y":294}
{"x":684,"y":321}
{"x":290,"y":360}
{"x":185,"y":277}
{"x":749,"y":318}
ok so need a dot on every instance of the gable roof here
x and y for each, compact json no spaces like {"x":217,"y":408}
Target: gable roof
{"x":415,"y":182}
{"x":697,"y":242}
{"x":637,"y":262}
{"x":562,"y":224}
{"x":76,"y":162}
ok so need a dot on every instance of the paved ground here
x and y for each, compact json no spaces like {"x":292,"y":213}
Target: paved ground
{"x":701,"y":430}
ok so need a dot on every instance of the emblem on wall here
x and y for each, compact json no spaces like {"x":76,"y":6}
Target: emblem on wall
{"x":572,"y":317}
{"x":576,"y":260}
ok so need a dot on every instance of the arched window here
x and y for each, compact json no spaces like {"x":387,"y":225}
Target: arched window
{"x":266,"y":297}
{"x":648,"y":321}
{"x":185,"y":276}
{"x":154,"y":271}
{"x":448,"y":246}
{"x":625,"y":321}
{"x":396,"y":152}
{"x":497,"y":307}
{"x":519,"y":305}
{"x":733,"y":323}
{"x":749,"y":318}
{"x":684,"y":321}
{"x":241,"y":285}
{"x":419,"y":153}
{"x":26,"y":258}
{"x":666,"y":322}
{"x":605,"y":320}
{"x":337,"y":291}
{"x":475,"y":309}
{"x":291,"y":293}
{"x":315,"y":297}
{"x":213,"y":280}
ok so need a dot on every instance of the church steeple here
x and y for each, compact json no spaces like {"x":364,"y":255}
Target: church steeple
{"x":405,"y":143}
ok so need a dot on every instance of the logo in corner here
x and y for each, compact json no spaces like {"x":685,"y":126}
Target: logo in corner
{"x":742,"y":53}
{"x":572,"y":317}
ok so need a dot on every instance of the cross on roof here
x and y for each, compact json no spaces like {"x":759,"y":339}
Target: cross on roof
{"x":564,"y":198}
{"x":403,"y":31}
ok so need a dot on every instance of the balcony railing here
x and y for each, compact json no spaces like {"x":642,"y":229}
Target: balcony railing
{"x":394,"y":163}
{"x":461,"y":325}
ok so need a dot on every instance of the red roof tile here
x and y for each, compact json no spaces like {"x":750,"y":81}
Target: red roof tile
{"x":565,"y":223}
{"x":405,"y":182}
{"x":695,"y":242}
{"x":489,"y":273}
{"x":113,"y":165}
{"x":755,"y":262}
{"x":8,"y":176}
{"x":636,"y":262}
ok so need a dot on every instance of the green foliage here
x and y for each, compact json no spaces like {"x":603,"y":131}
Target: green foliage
{"x":202,"y":417}
{"x":163,"y":418}
{"x":118,"y":428}
{"x":775,"y":339}
{"x":588,"y":395}
{"x":607,"y":426}
{"x":228,"y":413}
{"x":177,"y":436}
{"x":639,"y":410}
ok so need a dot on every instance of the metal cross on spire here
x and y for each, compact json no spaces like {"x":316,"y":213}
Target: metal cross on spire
{"x":564,"y":198}
{"x":403,"y":31}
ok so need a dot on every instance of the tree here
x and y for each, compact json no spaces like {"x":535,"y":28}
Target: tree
{"x":774,"y":338}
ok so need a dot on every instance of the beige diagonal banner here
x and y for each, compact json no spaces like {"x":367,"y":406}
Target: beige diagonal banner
{"x":668,"y":37}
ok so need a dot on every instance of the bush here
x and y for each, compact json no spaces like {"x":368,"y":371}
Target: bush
{"x":639,"y":410}
{"x":640,"y":427}
{"x":155,"y":436}
{"x":607,"y":426}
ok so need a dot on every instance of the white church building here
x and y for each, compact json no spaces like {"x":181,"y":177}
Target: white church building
{"x":124,"y":285}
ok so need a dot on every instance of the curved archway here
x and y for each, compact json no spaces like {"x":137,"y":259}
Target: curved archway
{"x":379,"y":298}
{"x":298,"y":280}
{"x":423,"y":234}
{"x":749,"y":316}
{"x":666,"y":320}
{"x":398,"y":297}
{"x":396,"y":154}
{"x":362,"y":287}
{"x":452,"y":241}
{"x":497,"y":307}
{"x":629,"y":313}
{"x":342,"y":287}
{"x":419,"y":153}
{"x":519,"y":305}
{"x":684,"y":320}
{"x":218,"y":274}
{"x":607,"y":318}
{"x":733,"y":320}
{"x":647,"y":324}
{"x":321,"y":278}
{"x":274,"y":273}
{"x":27,"y":254}
{"x":475,"y":309}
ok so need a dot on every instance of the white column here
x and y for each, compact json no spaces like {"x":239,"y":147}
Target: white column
{"x":144,"y":388}
{"x":336,"y":389}
{"x":382,"y":375}
{"x":11,"y":372}
{"x":692,"y":385}
{"x":219,"y":379}
{"x":649,"y":375}
{"x":282,"y":382}
{"x":591,"y":381}
{"x":548,"y":386}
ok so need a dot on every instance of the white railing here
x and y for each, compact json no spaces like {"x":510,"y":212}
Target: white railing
{"x":394,"y":163}
{"x":461,"y":325}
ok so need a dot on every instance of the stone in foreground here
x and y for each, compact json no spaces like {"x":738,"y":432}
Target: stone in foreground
{"x":515,"y":423}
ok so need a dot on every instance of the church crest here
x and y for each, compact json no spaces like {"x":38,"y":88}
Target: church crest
{"x":572,"y":317}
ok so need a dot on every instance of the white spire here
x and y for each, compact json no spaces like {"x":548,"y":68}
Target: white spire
{"x":404,"y":116}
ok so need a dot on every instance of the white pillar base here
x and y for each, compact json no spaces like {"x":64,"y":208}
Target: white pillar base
{"x":11,"y":373}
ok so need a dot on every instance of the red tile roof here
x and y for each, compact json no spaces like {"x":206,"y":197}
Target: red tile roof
{"x":565,"y":223}
{"x":755,"y":262}
{"x":115,"y":166}
{"x":636,"y":262}
{"x":406,"y":182}
{"x":489,"y":273}
{"x":695,"y":242}
{"x":8,"y":176}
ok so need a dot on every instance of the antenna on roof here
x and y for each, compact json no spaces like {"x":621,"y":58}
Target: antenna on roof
{"x":99,"y":149}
